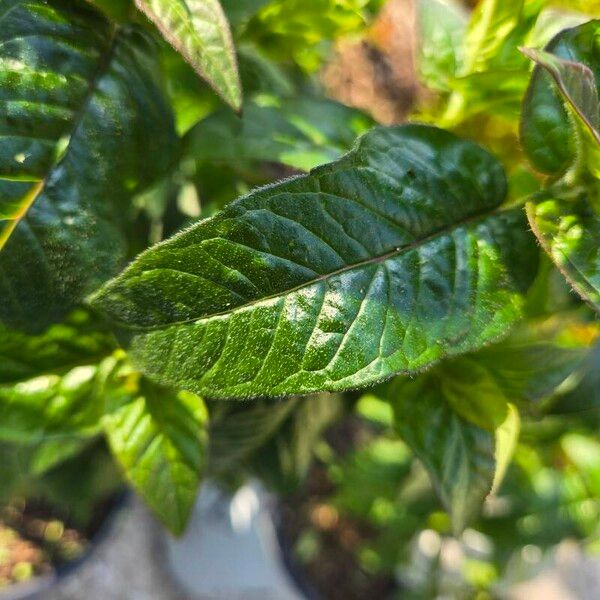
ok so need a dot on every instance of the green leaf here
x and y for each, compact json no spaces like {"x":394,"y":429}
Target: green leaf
{"x":583,"y":394}
{"x":442,"y":24}
{"x":577,"y":87}
{"x":300,"y":132}
{"x":240,"y":11}
{"x":84,"y":126}
{"x":158,"y":436}
{"x":385,"y":261}
{"x":199,"y":31}
{"x":569,"y":231}
{"x":52,"y":406}
{"x":238,"y":431}
{"x":80,"y":340}
{"x":497,"y":27}
{"x":493,"y":75}
{"x":118,"y":10}
{"x":565,"y":81}
{"x":302,"y":30}
{"x":465,"y":460}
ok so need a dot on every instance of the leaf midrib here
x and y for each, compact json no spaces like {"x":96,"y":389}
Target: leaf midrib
{"x":323,"y":277}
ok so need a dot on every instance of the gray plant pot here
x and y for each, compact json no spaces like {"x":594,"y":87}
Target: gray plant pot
{"x":231,"y":550}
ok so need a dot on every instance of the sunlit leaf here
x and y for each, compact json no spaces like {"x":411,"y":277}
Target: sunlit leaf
{"x":158,"y":437}
{"x":393,"y":257}
{"x":199,"y":31}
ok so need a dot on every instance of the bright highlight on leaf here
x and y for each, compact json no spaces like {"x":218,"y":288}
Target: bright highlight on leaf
{"x":84,"y":125}
{"x":569,"y":232}
{"x":199,"y":31}
{"x":385,"y":261}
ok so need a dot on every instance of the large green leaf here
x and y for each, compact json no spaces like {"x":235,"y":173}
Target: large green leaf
{"x":84,"y":124}
{"x":386,"y":260}
{"x":301,"y":132}
{"x":158,"y":436}
{"x":559,"y":87}
{"x":462,"y":428}
{"x":199,"y":31}
{"x":569,"y":231}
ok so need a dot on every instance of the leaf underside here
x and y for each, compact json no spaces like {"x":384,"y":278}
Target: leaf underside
{"x":458,"y":455}
{"x":199,"y":31}
{"x":384,"y":261}
{"x":569,"y":232}
{"x":83,"y":120}
{"x":159,"y":437}
{"x":547,"y":130}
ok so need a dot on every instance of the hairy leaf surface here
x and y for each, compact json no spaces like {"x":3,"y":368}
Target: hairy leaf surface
{"x":569,"y":232}
{"x":84,"y":124}
{"x":548,"y":133}
{"x":199,"y":31}
{"x":387,"y":260}
{"x":158,"y":436}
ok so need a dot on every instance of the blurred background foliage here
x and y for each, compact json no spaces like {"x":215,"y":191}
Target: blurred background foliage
{"x":317,"y":73}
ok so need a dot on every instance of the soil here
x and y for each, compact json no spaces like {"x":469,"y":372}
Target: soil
{"x":377,"y":73}
{"x":37,"y":540}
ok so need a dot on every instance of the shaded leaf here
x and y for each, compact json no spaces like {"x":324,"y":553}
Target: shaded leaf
{"x":240,"y":11}
{"x":547,"y":131}
{"x":583,"y":393}
{"x":199,"y":31}
{"x":84,"y":126}
{"x":387,"y":260}
{"x":239,"y":431}
{"x":52,"y":406}
{"x":80,"y":340}
{"x":300,"y":132}
{"x":465,"y":460}
{"x":158,"y":436}
{"x":577,"y":86}
{"x":535,"y":358}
